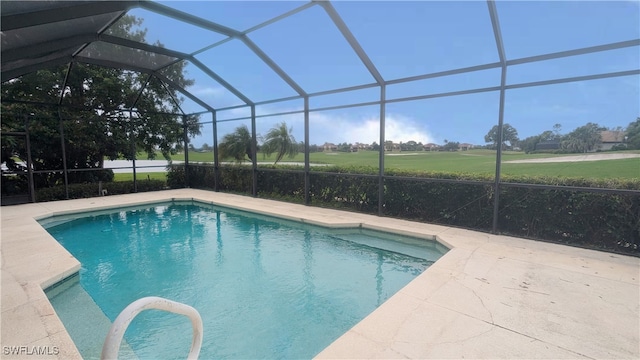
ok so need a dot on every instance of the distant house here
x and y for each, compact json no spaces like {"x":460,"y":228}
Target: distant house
{"x":611,"y":139}
{"x":548,"y":145}
{"x":391,"y":146}
{"x":465,"y":146}
{"x":329,"y":147}
{"x":430,"y":147}
{"x":361,"y":146}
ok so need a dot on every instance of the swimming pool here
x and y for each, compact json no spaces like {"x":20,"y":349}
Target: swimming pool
{"x":266,"y":288}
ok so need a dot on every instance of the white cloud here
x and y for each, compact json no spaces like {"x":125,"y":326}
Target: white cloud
{"x":207,"y":91}
{"x":234,"y":113}
{"x":339,"y":129}
{"x":215,"y":96}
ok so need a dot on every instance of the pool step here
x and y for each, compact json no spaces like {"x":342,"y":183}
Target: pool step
{"x":83,"y":318}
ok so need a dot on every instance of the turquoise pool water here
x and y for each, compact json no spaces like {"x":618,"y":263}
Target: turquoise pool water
{"x":265,"y":288}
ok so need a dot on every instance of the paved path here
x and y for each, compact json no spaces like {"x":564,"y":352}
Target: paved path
{"x":577,"y":158}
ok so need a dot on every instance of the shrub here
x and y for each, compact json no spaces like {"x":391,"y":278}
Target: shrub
{"x":175,"y":176}
{"x":79,"y":191}
{"x":236,"y":179}
{"x":596,"y":220}
{"x":618,"y":147}
{"x":589,"y":219}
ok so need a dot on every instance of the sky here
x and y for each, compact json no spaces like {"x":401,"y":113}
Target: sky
{"x":405,"y":39}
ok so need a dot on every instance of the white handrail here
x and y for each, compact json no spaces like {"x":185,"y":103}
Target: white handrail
{"x":116,"y":332}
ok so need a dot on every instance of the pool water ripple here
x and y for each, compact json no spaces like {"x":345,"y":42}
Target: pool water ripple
{"x":265,"y":288}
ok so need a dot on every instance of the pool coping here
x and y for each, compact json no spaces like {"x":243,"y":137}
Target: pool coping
{"x":490,"y":296}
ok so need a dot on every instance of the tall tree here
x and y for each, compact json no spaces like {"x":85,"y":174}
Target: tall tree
{"x":584,"y":138}
{"x":279,"y":140}
{"x":557,"y":129}
{"x":95,"y":115}
{"x":236,"y":145}
{"x":509,"y":134}
{"x":529,"y":144}
{"x":451,"y":146}
{"x":633,"y":135}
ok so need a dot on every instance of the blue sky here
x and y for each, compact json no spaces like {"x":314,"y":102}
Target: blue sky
{"x":412,"y":38}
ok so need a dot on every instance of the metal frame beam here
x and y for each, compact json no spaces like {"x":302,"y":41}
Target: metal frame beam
{"x":118,"y":65}
{"x":188,"y":18}
{"x":232,"y":33}
{"x":344,"y":89}
{"x":445,"y":73}
{"x":575,"y":52}
{"x":383,"y":103}
{"x":72,"y":10}
{"x":7,"y":75}
{"x":144,"y":86}
{"x":272,"y":64}
{"x":173,"y":98}
{"x":445,"y":94}
{"x":265,"y":102}
{"x":43,"y":48}
{"x":183,"y":91}
{"x":112,"y":64}
{"x":62,"y":144}
{"x":280,"y":17}
{"x":132,"y":140}
{"x":574,"y":79}
{"x":351,"y":39}
{"x":216,"y":161}
{"x":495,"y":24}
{"x":141,"y":46}
{"x":27,"y":139}
{"x":254,"y":153}
{"x":497,"y":33}
{"x":281,"y":113}
{"x":186,"y":150}
{"x":307,"y":178}
{"x":219,"y":80}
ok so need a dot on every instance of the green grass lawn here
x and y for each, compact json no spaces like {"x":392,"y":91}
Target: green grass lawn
{"x":140,"y":176}
{"x":473,"y":161}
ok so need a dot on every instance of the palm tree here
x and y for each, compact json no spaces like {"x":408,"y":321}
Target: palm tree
{"x":584,"y":138}
{"x":279,"y":140}
{"x":236,"y":145}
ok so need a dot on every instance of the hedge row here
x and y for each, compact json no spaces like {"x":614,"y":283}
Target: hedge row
{"x":594,"y":220}
{"x":79,"y":191}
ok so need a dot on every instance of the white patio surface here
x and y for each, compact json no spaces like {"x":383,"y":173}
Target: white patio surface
{"x":490,"y":296}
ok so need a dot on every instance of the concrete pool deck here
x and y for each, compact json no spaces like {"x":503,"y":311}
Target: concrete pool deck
{"x":490,"y":296}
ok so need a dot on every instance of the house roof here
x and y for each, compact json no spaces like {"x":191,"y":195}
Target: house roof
{"x":612,"y":136}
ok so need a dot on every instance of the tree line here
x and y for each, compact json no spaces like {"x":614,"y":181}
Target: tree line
{"x":279,"y":140}
{"x":582,"y":139}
